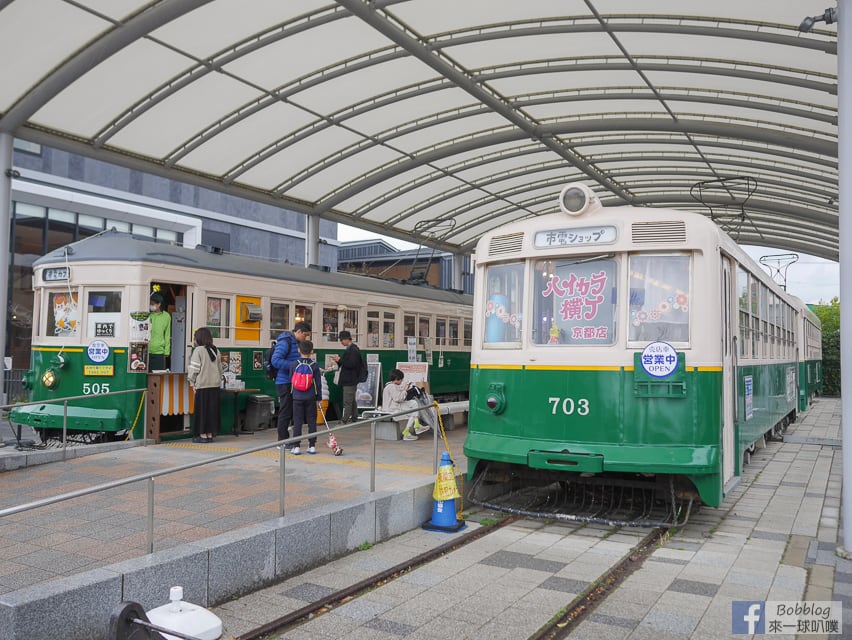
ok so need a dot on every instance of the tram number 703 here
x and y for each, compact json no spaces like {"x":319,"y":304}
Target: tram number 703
{"x":95,"y":388}
{"x":570,"y":406}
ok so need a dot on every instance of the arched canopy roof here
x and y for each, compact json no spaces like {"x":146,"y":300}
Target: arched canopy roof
{"x":446,"y":118}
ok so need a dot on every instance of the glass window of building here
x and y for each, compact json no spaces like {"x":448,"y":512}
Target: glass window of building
{"x":167,"y":235}
{"x":118,"y":225}
{"x":90,"y":222}
{"x":61,"y":228}
{"x":143,"y":230}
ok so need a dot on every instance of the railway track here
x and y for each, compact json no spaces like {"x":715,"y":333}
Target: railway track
{"x":598,"y":558}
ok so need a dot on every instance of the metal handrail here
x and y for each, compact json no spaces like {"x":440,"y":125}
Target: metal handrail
{"x":150,"y":476}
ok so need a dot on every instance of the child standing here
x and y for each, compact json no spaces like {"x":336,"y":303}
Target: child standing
{"x":306,"y":379}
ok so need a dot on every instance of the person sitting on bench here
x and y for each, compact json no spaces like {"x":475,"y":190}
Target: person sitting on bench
{"x":394,"y":400}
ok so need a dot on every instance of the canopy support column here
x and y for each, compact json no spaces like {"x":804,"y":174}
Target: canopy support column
{"x":6,"y":174}
{"x":844,"y":148}
{"x":312,"y":224}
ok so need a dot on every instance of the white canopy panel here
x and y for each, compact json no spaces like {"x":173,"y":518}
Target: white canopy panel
{"x":446,"y":118}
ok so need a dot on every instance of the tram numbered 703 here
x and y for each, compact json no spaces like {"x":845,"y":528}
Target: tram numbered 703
{"x":629,"y":344}
{"x":91,"y":302}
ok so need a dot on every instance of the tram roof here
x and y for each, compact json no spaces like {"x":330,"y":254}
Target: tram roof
{"x":437,"y":120}
{"x":112,"y":246}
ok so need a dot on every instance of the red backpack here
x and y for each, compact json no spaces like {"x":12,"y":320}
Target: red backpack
{"x":303,"y":376}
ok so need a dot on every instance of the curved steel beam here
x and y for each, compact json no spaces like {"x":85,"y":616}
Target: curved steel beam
{"x":804,"y":143}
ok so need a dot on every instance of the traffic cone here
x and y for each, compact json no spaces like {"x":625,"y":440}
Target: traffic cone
{"x":445,"y":494}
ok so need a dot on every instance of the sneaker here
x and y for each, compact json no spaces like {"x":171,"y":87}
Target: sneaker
{"x":295,"y":451}
{"x":421,"y":428}
{"x":407,"y":435}
{"x":312,"y":450}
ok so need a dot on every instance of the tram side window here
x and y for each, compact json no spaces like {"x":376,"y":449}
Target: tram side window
{"x":218,"y":315}
{"x":409,"y":326}
{"x":659,"y":298}
{"x":350,"y":323}
{"x":454,"y":332}
{"x":744,"y":315}
{"x":441,"y":331}
{"x":63,"y":314}
{"x":330,"y":323}
{"x":373,"y":325}
{"x":279,"y":319}
{"x":575,"y":302}
{"x":504,"y":294}
{"x":103,"y":314}
{"x":422,"y":330}
{"x":468,"y":333}
{"x":388,"y":329}
{"x":305,"y":313}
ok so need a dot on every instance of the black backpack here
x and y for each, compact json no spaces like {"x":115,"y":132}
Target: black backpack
{"x":271,"y":370}
{"x":363,"y":372}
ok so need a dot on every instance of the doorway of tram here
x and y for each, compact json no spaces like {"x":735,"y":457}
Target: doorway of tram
{"x":175,"y":405}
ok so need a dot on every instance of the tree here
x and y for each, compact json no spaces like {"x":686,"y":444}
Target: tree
{"x":829,"y":316}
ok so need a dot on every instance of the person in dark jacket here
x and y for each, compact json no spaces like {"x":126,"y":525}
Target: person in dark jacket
{"x":305,"y":401}
{"x":350,"y":367}
{"x":287,"y":351}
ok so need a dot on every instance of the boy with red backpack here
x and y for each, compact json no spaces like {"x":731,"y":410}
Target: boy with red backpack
{"x":306,"y":381}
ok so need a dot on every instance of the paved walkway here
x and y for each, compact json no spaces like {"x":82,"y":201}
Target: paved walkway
{"x":93,"y":531}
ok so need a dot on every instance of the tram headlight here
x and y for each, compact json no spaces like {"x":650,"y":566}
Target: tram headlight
{"x":576,"y":199}
{"x":50,"y":378}
{"x":495,"y":399}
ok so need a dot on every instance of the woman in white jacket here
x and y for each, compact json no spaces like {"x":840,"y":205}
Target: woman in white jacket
{"x":205,"y":376}
{"x":394,"y":400}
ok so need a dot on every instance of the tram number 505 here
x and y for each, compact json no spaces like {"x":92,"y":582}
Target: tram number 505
{"x":95,"y":388}
{"x":569,"y":406}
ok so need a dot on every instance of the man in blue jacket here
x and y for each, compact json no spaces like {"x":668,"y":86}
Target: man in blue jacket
{"x":287,"y":351}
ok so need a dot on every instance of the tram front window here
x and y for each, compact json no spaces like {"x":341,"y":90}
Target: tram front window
{"x":575,"y":301}
{"x":659,"y":298}
{"x":62,"y":314}
{"x":504,"y":295}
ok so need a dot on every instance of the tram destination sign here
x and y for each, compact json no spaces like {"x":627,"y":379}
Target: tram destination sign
{"x":574,"y":236}
{"x":56,"y":274}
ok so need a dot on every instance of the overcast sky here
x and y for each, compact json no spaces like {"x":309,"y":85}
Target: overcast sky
{"x":810,"y":278}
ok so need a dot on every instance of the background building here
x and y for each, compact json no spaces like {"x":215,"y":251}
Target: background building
{"x":381,"y":259}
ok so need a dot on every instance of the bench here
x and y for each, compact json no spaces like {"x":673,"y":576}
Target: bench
{"x":453,"y":414}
